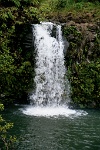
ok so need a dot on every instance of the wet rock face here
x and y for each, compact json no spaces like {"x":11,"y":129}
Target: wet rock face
{"x":83,"y":41}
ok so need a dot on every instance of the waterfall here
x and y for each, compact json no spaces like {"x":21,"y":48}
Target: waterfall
{"x":52,"y":92}
{"x":50,"y":70}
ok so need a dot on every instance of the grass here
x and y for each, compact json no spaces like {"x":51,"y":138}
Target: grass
{"x":51,"y":8}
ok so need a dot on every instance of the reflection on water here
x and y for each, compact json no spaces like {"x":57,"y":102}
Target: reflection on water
{"x":62,"y":133}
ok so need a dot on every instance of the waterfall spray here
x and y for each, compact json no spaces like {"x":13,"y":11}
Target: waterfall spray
{"x":50,"y":70}
{"x":52,"y":92}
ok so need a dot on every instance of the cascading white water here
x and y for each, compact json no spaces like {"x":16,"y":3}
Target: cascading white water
{"x":52,"y":89}
{"x":50,"y":69}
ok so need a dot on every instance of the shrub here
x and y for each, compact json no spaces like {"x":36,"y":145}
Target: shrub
{"x":59,"y":4}
{"x":7,"y":141}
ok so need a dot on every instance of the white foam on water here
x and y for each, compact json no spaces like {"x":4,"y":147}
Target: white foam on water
{"x":53,"y":112}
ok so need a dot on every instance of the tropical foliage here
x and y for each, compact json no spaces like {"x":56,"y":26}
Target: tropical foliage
{"x":6,"y":141}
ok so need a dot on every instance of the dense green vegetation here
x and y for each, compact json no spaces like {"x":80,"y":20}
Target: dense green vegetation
{"x":16,"y":61}
{"x":65,"y":10}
